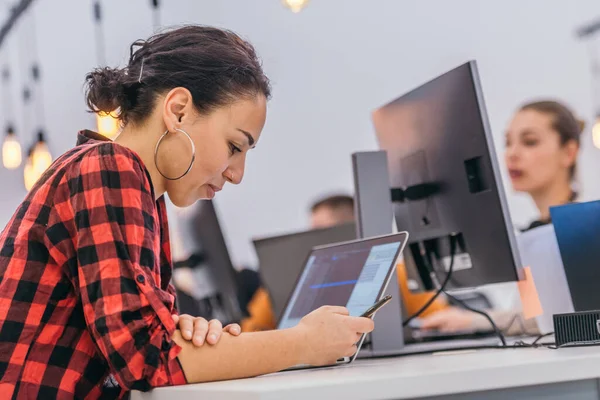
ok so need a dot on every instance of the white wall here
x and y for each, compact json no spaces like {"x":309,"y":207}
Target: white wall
{"x":331,"y":65}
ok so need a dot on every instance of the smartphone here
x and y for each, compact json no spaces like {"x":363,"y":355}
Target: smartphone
{"x":375,"y":307}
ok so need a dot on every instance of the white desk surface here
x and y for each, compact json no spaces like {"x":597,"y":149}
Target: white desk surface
{"x":405,"y":377}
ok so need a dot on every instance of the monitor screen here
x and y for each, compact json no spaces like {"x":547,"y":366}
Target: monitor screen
{"x":352,"y":274}
{"x":441,"y":158}
{"x":577,"y":228}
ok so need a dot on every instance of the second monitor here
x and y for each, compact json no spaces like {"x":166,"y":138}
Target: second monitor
{"x":446,"y":181}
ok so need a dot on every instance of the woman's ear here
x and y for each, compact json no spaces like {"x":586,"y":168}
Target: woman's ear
{"x":570,"y":152}
{"x":175,"y":107}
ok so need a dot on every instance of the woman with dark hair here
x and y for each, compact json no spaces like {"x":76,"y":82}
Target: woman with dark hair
{"x":542,"y":145}
{"x":86,"y":307}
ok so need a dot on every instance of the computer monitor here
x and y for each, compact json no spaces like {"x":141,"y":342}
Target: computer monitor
{"x":446,"y":181}
{"x":577,"y":229}
{"x":208,"y":234}
{"x":281,"y":259}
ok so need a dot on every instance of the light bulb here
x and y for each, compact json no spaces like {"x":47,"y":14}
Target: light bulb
{"x":108,"y":124}
{"x":30,"y":176}
{"x":11,"y":150}
{"x":295,"y":5}
{"x":40,"y":157}
{"x":596,"y":133}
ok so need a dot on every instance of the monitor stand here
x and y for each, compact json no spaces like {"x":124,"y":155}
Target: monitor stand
{"x":375,"y":217}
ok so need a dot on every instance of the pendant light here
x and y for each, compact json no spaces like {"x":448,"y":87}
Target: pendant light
{"x":107,"y":123}
{"x":295,"y":5}
{"x":11,"y":148}
{"x":41,"y":157}
{"x":596,"y":133}
{"x":30,"y":176}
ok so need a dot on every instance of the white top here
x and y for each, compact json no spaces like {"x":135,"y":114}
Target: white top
{"x":405,"y":377}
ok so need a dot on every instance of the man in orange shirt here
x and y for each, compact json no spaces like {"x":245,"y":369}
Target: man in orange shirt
{"x":327,"y":212}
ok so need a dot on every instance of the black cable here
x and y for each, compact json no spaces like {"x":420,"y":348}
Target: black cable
{"x":473,"y":347}
{"x":7,"y":103}
{"x":38,"y":93}
{"x":535,"y":342}
{"x":483,"y":313}
{"x":155,"y":15}
{"x":442,"y":286}
{"x":16,"y":12}
{"x":99,"y":32}
{"x":516,"y":345}
{"x":442,"y":289}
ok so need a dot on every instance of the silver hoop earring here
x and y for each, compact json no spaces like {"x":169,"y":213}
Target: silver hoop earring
{"x":156,"y":154}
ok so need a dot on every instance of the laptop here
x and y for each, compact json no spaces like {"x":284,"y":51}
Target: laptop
{"x":577,"y":228}
{"x":352,"y":274}
{"x":281,"y":259}
{"x":539,"y":250}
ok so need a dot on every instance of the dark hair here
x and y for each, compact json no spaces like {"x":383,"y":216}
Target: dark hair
{"x":564,"y":123}
{"x":336,"y":203}
{"x":215,"y":65}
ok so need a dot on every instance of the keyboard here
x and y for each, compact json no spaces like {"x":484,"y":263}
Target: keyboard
{"x":422,"y":335}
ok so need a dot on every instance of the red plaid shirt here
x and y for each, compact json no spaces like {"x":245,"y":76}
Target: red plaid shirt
{"x":85,"y":267}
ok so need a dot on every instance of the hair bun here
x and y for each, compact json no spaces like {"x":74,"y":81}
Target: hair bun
{"x":105,"y":91}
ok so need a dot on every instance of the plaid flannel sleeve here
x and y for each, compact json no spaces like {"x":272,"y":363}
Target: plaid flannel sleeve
{"x":127,"y":313}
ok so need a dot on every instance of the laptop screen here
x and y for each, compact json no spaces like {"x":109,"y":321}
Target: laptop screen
{"x":280,"y":278}
{"x":352,"y":274}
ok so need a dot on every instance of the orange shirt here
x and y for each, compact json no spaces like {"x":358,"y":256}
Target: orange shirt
{"x":262,"y":317}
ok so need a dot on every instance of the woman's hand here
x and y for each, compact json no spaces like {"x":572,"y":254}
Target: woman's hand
{"x":329,"y":334}
{"x":198,"y":330}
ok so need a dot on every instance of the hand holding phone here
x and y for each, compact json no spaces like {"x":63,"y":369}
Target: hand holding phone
{"x":375,"y":307}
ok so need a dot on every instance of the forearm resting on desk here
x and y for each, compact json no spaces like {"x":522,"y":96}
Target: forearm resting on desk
{"x":512,"y":323}
{"x":244,"y":356}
